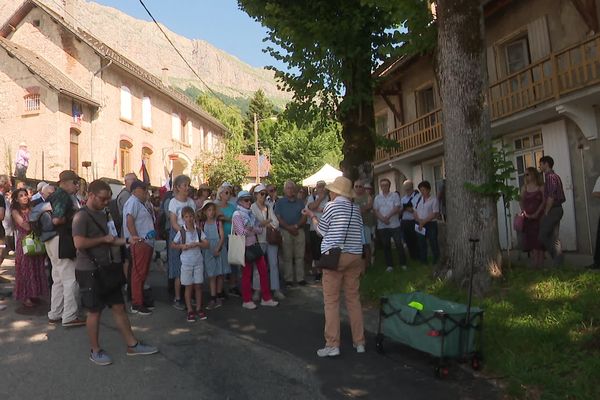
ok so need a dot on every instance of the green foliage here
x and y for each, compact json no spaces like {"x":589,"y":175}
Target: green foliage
{"x":229,"y":116}
{"x":499,"y":170}
{"x":301,"y":151}
{"x":240,"y":103}
{"x":229,"y":169}
{"x":540,"y":332}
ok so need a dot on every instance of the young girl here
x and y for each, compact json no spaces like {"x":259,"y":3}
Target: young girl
{"x":215,"y":257}
{"x":181,"y":185}
{"x":190,"y":241}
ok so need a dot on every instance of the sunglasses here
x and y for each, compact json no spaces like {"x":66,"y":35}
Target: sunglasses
{"x":262,"y":193}
{"x":246,"y":200}
{"x":226,"y":192}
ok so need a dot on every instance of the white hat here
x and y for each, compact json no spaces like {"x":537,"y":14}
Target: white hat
{"x":342,"y":186}
{"x":259,"y":188}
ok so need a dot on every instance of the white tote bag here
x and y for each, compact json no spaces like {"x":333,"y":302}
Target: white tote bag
{"x":237,"y":248}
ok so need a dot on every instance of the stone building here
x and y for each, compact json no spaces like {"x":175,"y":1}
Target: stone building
{"x":544,"y":90}
{"x":80,"y":104}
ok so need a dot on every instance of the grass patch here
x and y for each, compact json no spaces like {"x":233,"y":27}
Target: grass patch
{"x":541,"y":328}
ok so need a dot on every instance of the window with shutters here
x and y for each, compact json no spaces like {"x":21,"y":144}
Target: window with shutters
{"x":516,"y":55}
{"x":147,"y":158}
{"x":125,"y":153}
{"x":425,"y":101}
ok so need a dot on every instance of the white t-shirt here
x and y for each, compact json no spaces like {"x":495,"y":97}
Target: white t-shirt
{"x":311,"y":199}
{"x":191,"y":256}
{"x":597,"y":186}
{"x":175,"y":207}
{"x":384,"y":205}
{"x":426,"y":207}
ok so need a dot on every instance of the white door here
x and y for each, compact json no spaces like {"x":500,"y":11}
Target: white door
{"x":556,"y":145}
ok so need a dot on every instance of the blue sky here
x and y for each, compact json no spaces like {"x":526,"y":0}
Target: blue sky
{"x":219,"y":22}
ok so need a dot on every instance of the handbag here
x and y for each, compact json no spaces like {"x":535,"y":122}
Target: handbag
{"x":519,"y":222}
{"x":273,"y":235}
{"x":236,"y":248}
{"x":32,"y":245}
{"x":109,"y":275}
{"x":331,"y":258}
{"x":253,"y":252}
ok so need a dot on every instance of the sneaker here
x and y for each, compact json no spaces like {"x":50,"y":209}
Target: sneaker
{"x":178,"y":305}
{"x":211,"y":305}
{"x":235,"y":292}
{"x":54,"y":321}
{"x":191,"y":316}
{"x":249,"y":305}
{"x":75,"y":322}
{"x":140,"y":349}
{"x":389,"y":269}
{"x":219,"y":302}
{"x":201,"y":315}
{"x":302,"y":283}
{"x":360,"y":348}
{"x":403,"y":267}
{"x":256,"y":296}
{"x":328,"y":351}
{"x":140,"y":310}
{"x":269,"y":303}
{"x":100,"y":358}
{"x":150,"y":306}
{"x":278,"y":295}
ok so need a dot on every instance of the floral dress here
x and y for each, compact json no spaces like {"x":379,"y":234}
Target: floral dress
{"x":30,"y":273}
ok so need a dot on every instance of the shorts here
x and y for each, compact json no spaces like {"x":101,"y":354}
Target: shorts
{"x":92,"y":298}
{"x":192,"y":274}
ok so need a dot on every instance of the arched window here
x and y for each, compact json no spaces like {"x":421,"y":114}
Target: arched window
{"x":147,"y":160}
{"x":146,"y":112}
{"x":126,"y":112}
{"x":125,"y":150}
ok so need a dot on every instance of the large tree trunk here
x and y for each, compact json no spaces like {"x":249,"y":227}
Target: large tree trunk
{"x":462,"y":79}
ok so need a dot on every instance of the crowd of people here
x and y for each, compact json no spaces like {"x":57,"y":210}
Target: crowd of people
{"x":96,"y":246}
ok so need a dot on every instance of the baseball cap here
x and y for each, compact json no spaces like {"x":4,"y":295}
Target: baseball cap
{"x":138,"y":184}
{"x":259,"y":188}
{"x":244,"y":194}
{"x":68,"y":175}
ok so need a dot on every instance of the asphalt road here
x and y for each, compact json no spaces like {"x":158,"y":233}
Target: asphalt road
{"x":236,"y":354}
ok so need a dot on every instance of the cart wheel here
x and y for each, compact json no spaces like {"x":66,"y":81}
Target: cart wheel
{"x":475,"y":363}
{"x":441,"y":372}
{"x":379,"y":344}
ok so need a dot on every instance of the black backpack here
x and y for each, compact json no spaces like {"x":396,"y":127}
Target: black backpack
{"x":115,"y":213}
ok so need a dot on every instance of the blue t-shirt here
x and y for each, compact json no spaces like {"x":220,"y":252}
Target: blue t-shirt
{"x":290,"y":211}
{"x":228,"y":213}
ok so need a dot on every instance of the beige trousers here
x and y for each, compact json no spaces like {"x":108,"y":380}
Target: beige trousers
{"x":333,"y":282}
{"x":293,"y":255}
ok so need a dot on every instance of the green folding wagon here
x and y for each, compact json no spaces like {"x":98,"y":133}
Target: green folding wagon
{"x":444,"y":329}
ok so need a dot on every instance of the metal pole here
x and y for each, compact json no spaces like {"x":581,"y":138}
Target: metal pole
{"x":256,"y":152}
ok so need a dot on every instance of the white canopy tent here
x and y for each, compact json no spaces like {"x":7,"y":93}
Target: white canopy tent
{"x":327,"y":173}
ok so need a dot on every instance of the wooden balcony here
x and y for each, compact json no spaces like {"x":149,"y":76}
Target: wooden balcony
{"x":550,"y":78}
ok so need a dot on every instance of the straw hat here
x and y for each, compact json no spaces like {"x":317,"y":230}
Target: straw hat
{"x":206,"y":203}
{"x":342,"y":186}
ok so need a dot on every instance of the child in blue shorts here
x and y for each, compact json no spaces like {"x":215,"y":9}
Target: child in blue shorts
{"x":190,"y":240}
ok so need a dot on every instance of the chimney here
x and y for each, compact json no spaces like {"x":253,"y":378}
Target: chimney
{"x":69,"y":12}
{"x":164,"y":76}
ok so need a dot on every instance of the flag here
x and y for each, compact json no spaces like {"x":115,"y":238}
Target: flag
{"x":115,"y":159}
{"x":144,"y":173}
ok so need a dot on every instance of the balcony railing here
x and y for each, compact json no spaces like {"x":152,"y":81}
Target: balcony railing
{"x":550,"y":78}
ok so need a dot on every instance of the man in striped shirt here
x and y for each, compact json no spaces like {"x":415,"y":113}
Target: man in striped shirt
{"x":554,"y":196}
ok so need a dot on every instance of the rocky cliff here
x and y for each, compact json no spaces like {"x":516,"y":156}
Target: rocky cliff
{"x":143,"y":43}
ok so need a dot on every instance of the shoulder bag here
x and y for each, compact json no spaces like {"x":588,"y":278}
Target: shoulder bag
{"x":32,"y":245}
{"x":273,"y":235}
{"x":331,"y":258}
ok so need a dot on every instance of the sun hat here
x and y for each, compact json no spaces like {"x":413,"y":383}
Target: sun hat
{"x":341,"y":186}
{"x":244,"y":194}
{"x":259,"y":188}
{"x":68,"y":175}
{"x":206,"y":203}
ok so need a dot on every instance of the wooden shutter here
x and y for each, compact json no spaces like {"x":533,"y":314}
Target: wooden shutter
{"x":491,"y":64}
{"x":539,"y":40}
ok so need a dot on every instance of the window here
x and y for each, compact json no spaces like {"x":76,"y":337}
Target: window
{"x":209,"y":141}
{"x":147,"y":158}
{"x":516,"y":54}
{"x":74,"y":150}
{"x":125,"y":152}
{"x":528,"y":151}
{"x":32,"y":102}
{"x":126,"y":112}
{"x":381,"y":124}
{"x":175,"y":126}
{"x":76,"y":112}
{"x":202,"y":144}
{"x":146,"y":112}
{"x":184,"y":132}
{"x":425,"y":101}
{"x":189,"y":133}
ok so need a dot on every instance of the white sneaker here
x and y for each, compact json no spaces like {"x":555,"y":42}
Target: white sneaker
{"x":256,"y":295}
{"x":269,"y":303}
{"x":278,"y":295}
{"x":389,"y":269}
{"x":360,"y":348}
{"x":328,"y":351}
{"x":249,"y":305}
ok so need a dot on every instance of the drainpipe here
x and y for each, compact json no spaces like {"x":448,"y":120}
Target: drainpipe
{"x":94,"y":175}
{"x":585,"y":197}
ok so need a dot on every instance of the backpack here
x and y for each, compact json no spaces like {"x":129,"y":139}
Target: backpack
{"x":184,"y":236}
{"x":115,"y":213}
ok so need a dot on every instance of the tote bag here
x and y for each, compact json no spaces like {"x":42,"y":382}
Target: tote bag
{"x":237,"y":248}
